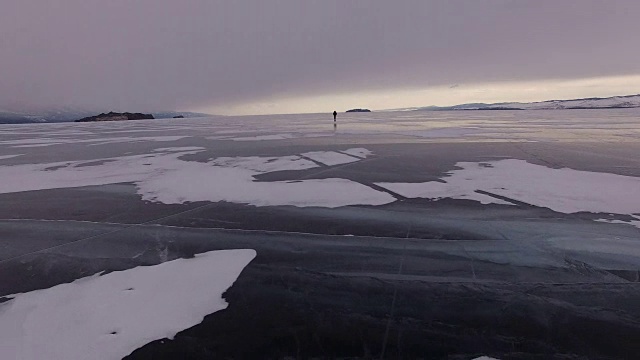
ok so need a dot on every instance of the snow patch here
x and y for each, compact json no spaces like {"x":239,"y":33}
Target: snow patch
{"x":109,"y":316}
{"x":237,"y":185}
{"x":358,"y":152}
{"x":265,"y":164}
{"x":330,"y":158}
{"x":436,"y":190}
{"x":635,"y":223}
{"x":166,"y":178}
{"x":563,"y":190}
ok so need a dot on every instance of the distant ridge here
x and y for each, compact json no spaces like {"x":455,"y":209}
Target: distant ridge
{"x":614,"y":102}
{"x":67,"y":114}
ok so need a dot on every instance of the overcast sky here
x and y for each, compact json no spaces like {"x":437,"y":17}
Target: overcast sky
{"x":261,"y":56}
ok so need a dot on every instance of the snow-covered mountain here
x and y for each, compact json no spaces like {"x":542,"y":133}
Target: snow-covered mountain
{"x":615,"y":102}
{"x":11,"y":117}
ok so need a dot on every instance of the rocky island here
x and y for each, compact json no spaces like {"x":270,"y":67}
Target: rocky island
{"x":114,"y":116}
{"x":358,"y":110}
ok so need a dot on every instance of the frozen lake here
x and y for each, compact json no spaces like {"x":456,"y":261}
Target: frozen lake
{"x":397,"y":234}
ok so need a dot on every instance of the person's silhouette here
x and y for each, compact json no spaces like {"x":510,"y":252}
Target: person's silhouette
{"x":334,"y":115}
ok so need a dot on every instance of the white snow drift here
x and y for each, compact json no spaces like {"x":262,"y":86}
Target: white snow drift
{"x":167,"y":178}
{"x":109,"y":316}
{"x":563,"y":190}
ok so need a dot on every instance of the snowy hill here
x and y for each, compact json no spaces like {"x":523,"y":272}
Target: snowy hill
{"x":615,"y":102}
{"x":10,"y":117}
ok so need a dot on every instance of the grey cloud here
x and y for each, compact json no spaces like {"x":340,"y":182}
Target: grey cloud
{"x":165,"y":54}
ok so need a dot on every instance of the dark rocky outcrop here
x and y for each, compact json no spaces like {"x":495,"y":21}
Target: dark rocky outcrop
{"x":358,"y":110}
{"x":113,"y":116}
{"x":179,"y":117}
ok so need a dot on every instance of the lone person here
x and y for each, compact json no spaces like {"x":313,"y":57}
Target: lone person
{"x":334,"y":115}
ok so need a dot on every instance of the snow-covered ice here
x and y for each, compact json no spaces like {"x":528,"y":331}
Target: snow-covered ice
{"x":265,"y":164}
{"x":183,"y":148}
{"x":284,"y":136}
{"x":165,"y":177}
{"x":330,"y":158}
{"x":447,"y":132}
{"x":136,"y":139}
{"x":42,"y":142}
{"x":3,"y":157}
{"x":237,"y":185}
{"x":199,"y":161}
{"x":635,"y":223}
{"x":359,"y":152}
{"x":109,"y":316}
{"x":264,"y":137}
{"x":26,"y":143}
{"x":563,"y":190}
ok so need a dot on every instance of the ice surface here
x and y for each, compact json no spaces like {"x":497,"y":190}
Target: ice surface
{"x":109,"y":316}
{"x":264,"y":137}
{"x":359,"y":152}
{"x":183,"y":148}
{"x":563,"y":190}
{"x":608,"y":245}
{"x":166,"y":178}
{"x":330,"y":158}
{"x":431,"y":126}
{"x":436,"y":190}
{"x":32,"y":141}
{"x":266,"y":164}
{"x":267,"y":137}
{"x":136,"y":139}
{"x":41,"y":142}
{"x":28,"y":143}
{"x":447,"y":132}
{"x":2,"y":157}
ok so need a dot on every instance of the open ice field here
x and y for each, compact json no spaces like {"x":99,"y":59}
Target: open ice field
{"x":510,"y":234}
